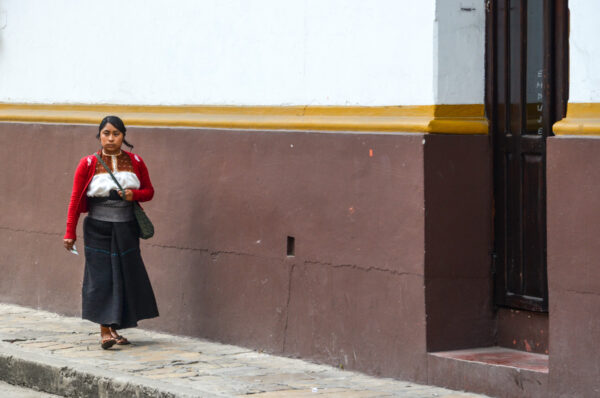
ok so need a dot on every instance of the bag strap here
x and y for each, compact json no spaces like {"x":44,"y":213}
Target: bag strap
{"x":111,"y":174}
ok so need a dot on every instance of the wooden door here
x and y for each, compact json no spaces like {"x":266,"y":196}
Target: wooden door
{"x":524,"y":98}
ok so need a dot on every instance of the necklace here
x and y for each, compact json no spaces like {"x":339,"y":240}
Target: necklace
{"x":106,"y":154}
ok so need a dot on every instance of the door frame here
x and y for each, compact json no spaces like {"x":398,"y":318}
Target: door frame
{"x":556,"y":63}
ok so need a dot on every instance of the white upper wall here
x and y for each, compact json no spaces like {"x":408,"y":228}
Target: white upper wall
{"x":459,"y":53}
{"x":229,"y":52}
{"x":584,"y":48}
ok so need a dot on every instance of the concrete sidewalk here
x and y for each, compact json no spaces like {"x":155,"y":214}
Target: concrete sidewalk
{"x":62,"y":355}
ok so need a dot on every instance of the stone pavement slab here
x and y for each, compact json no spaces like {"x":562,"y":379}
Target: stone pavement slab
{"x":62,"y":355}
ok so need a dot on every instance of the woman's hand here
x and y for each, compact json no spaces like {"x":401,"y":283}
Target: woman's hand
{"x":128,"y":194}
{"x":68,"y":243}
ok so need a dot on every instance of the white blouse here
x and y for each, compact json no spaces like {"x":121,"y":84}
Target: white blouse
{"x":102,"y":183}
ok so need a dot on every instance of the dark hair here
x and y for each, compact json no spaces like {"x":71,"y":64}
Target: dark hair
{"x":119,"y":125}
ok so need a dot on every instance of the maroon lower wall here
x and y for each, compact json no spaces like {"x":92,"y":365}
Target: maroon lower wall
{"x":573,"y":175}
{"x":225,"y":203}
{"x":458,"y":242}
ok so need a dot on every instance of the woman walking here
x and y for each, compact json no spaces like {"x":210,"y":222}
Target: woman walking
{"x":116,"y":290}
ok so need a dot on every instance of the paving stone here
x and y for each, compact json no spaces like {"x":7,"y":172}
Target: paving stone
{"x":173,"y":375}
{"x":37,"y":344}
{"x":300,"y":393}
{"x":278,"y":378}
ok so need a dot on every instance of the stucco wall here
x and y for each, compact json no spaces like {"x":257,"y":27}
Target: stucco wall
{"x":263,"y":52}
{"x":225,"y":203}
{"x":573,"y":273}
{"x":458,"y":224}
{"x":458,"y":56}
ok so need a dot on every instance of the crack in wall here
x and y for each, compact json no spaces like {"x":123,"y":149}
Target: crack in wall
{"x":178,"y":247}
{"x":219,"y":252}
{"x":362,"y":268}
{"x":287,"y":308}
{"x":584,"y":292}
{"x":30,"y":231}
{"x":211,"y":252}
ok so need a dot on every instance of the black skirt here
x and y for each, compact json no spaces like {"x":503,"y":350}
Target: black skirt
{"x":116,"y":289}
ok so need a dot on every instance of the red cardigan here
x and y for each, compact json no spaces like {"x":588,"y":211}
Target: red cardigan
{"x":83,"y":176}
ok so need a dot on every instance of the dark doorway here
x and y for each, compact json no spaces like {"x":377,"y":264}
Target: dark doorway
{"x":526,"y":92}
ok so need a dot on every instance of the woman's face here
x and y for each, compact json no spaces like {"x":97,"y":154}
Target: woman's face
{"x":111,"y":139}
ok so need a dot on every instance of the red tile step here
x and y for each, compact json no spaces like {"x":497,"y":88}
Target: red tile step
{"x":494,"y":371}
{"x":500,"y":356}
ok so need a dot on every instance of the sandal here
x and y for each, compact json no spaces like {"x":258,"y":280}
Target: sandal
{"x":120,"y":340}
{"x":107,"y":339}
{"x":108,"y":342}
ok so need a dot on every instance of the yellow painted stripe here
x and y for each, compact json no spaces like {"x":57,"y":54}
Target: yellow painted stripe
{"x":454,"y":119}
{"x":582,"y":119}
